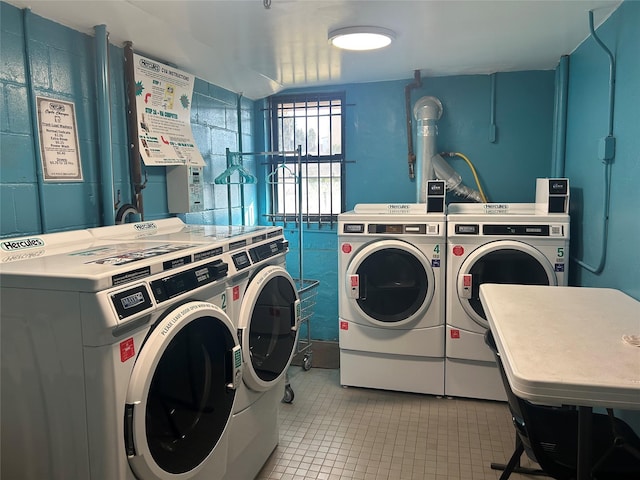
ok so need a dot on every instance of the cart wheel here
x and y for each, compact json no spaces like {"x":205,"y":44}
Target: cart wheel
{"x":288,"y":394}
{"x":306,"y":363}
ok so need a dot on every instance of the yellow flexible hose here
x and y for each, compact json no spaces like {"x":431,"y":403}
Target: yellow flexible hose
{"x":475,"y":175}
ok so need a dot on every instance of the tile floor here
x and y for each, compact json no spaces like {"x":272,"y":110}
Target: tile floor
{"x":330,"y":432}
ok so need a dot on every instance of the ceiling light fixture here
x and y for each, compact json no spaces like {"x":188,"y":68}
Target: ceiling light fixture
{"x":361,"y":38}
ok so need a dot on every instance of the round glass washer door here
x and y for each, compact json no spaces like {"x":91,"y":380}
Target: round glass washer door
{"x":395,"y":283}
{"x":181,"y":392}
{"x":506,"y":262}
{"x":268,"y":324}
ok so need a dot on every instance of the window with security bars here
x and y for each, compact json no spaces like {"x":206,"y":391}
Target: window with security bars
{"x":312,"y":184}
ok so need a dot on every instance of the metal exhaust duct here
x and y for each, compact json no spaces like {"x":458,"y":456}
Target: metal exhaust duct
{"x":427,"y":111}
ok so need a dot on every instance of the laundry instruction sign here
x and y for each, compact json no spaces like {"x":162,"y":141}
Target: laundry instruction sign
{"x":59,"y":150}
{"x":163,"y":104}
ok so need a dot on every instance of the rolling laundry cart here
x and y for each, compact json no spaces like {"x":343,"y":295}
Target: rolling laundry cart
{"x":307,"y":291}
{"x":281,"y":175}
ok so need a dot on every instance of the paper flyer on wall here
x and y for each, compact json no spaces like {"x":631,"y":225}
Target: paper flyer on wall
{"x":163,"y":103}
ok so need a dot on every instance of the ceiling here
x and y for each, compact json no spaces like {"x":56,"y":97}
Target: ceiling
{"x":248,"y":48}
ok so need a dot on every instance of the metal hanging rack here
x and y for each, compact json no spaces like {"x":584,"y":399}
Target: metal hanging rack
{"x":289,"y":176}
{"x":307,"y":289}
{"x":234,"y":165}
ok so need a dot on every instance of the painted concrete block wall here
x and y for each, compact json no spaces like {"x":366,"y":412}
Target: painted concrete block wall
{"x":376,"y":152}
{"x":215,"y":127}
{"x":376,"y":138}
{"x":63,"y":66}
{"x":587,"y":123}
{"x":319,"y":262}
{"x":61,"y":63}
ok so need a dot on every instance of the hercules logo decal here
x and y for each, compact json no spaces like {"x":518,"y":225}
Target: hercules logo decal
{"x":145,"y":226}
{"x":9,"y":245}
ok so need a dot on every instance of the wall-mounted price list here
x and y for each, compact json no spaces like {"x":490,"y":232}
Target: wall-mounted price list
{"x":60,"y":154}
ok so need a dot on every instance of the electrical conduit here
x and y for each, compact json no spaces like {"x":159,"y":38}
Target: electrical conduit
{"x":492,"y":115}
{"x":606,"y":159}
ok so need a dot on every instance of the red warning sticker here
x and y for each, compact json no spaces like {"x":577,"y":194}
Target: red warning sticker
{"x":344,"y":325}
{"x":458,"y":250}
{"x":455,"y":333}
{"x":127,"y":350}
{"x":346,"y":248}
{"x":235,"y":293}
{"x":355,"y":280}
{"x":466,"y":280}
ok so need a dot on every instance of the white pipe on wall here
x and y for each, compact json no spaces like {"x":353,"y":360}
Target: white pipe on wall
{"x":427,"y":111}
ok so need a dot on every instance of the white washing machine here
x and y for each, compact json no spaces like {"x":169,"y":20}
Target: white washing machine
{"x":266,"y":311}
{"x":493,"y":243}
{"x":221,"y":238}
{"x":262,"y":302}
{"x":175,"y":230}
{"x":391,"y":298}
{"x":115,"y":364}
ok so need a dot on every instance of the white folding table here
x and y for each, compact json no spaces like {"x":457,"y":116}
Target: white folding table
{"x":564,"y":346}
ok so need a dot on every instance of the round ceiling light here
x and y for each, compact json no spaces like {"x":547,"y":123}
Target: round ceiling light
{"x":361,"y":38}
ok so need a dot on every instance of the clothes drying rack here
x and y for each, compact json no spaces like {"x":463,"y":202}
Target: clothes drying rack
{"x":307,"y":288}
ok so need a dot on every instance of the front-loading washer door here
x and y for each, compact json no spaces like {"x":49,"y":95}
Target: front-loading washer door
{"x":268,"y":327}
{"x":181,"y":392}
{"x":390,"y":283}
{"x":502,"y":261}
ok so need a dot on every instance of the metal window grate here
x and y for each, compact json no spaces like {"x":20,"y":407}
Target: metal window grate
{"x":316,"y":124}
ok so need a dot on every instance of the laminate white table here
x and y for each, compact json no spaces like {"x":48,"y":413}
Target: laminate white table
{"x":564,"y":346}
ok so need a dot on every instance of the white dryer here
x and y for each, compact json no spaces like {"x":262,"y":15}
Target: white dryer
{"x":114,"y":363}
{"x":493,"y":243}
{"x":391,"y":298}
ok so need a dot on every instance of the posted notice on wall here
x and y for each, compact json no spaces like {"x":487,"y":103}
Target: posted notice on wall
{"x":163,"y":103}
{"x":59,"y":150}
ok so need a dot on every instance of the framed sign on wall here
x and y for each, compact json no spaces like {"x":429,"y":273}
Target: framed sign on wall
{"x":59,"y":149}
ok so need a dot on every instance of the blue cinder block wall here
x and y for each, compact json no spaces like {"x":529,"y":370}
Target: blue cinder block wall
{"x":377,"y":151}
{"x":376,"y":144}
{"x":63,"y":66}
{"x":62,"y":62}
{"x":587,"y":124}
{"x":218,"y":124}
{"x":588,"y":113}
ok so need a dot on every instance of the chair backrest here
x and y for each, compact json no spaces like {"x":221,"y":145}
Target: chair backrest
{"x":547,"y":433}
{"x":514,"y":406}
